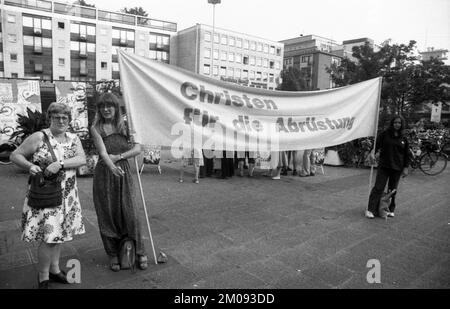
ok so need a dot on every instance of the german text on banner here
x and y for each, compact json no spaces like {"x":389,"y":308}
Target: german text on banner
{"x":169,"y":106}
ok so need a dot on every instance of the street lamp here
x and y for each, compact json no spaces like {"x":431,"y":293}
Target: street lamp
{"x":213,"y":2}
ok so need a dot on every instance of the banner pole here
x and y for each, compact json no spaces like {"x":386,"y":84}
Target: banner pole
{"x":145,"y":209}
{"x":376,"y":135}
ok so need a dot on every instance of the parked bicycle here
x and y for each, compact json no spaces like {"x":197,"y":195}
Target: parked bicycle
{"x":427,"y":155}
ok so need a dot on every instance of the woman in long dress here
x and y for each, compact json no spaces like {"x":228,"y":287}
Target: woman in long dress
{"x":113,"y":189}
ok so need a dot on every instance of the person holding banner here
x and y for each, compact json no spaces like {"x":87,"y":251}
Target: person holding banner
{"x":393,"y":164}
{"x":113,"y":188}
{"x":52,"y":226}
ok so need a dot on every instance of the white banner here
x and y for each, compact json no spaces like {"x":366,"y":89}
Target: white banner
{"x":169,"y":106}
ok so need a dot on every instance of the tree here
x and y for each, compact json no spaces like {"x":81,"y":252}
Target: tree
{"x":293,"y":79}
{"x":84,"y":3}
{"x":135,"y":11}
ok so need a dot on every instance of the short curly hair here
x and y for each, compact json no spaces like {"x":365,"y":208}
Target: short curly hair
{"x":59,"y":108}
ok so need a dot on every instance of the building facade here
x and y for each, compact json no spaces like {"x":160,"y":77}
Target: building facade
{"x":59,"y":41}
{"x":229,"y":56}
{"x":312,"y":54}
{"x":440,"y":54}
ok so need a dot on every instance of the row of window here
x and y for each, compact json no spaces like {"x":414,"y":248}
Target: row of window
{"x":240,"y":43}
{"x":238,"y":73}
{"x":303,"y":59}
{"x":244,"y":59}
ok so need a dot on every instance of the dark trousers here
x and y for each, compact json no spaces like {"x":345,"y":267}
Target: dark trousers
{"x":227,"y":166}
{"x":384,"y":175}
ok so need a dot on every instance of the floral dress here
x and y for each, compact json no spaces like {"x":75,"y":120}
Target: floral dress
{"x":57,"y":224}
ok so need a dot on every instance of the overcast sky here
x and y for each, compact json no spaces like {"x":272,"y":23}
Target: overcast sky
{"x":426,"y":21}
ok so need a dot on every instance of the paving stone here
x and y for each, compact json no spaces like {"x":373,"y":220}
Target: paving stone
{"x":267,"y":269}
{"x":299,"y":281}
{"x":233,"y":279}
{"x":331,"y":274}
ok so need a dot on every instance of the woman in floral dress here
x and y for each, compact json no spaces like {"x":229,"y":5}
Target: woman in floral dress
{"x":56,"y":225}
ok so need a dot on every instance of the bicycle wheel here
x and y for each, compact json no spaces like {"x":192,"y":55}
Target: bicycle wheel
{"x":432,"y":163}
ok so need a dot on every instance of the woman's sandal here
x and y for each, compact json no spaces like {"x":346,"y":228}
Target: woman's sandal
{"x":114,"y":265}
{"x":142,"y":262}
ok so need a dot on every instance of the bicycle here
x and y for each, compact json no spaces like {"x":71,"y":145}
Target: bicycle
{"x":427,"y":155}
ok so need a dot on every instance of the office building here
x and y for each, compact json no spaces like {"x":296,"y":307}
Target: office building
{"x":54,"y":40}
{"x":228,"y":55}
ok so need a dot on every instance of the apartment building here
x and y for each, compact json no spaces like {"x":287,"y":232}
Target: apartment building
{"x":54,"y":40}
{"x":440,"y":54}
{"x":312,"y":54}
{"x":228,"y":55}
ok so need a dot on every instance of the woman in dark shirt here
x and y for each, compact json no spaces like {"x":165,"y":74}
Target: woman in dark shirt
{"x":393,"y":163}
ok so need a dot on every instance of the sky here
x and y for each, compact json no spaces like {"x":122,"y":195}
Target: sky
{"x":425,"y":21}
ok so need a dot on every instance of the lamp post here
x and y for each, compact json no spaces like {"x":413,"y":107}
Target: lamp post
{"x":213,"y":2}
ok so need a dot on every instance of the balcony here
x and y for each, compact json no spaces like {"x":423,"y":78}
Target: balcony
{"x":116,"y":17}
{"x":156,"y":24}
{"x":74,"y":10}
{"x":40,"y":5}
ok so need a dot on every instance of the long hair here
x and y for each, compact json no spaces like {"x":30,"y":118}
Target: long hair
{"x":118,"y":123}
{"x":402,"y":128}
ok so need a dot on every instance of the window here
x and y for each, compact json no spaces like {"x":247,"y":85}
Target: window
{"x":245,"y":60}
{"x":258,"y":75}
{"x":239,"y":43}
{"x":224,"y":40}
{"x":231,"y":41}
{"x":265,"y":76}
{"x":62,"y":78}
{"x":265,"y":63}
{"x":253,"y":45}
{"x":259,"y":47}
{"x":245,"y":44}
{"x":216,"y":54}
{"x":91,"y":30}
{"x":216,"y":38}
{"x":238,"y":58}
{"x":115,"y":34}
{"x":245,"y":74}
{"x":266,"y":48}
{"x":28,"y":40}
{"x":277,"y":65}
{"x":61,"y":25}
{"x":271,"y":64}
{"x":37,"y":45}
{"x":258,"y":61}
{"x":278,"y":51}
{"x":223,"y":71}
{"x":46,"y":42}
{"x":231,"y":57}
{"x":223,"y":56}
{"x":252,"y":74}
{"x":306,"y":59}
{"x":83,"y":68}
{"x":12,"y":38}
{"x":13,"y":57}
{"x":272,"y":50}
{"x":208,"y":36}
{"x":74,"y":28}
{"x":83,"y":48}
{"x":38,"y":67}
{"x":11,"y":18}
{"x":46,"y":24}
{"x":237,"y":73}
{"x":130,"y":35}
{"x":206,"y":69}
{"x":252,"y":60}
{"x":230,"y":72}
{"x":75,"y":46}
{"x":14,"y":75}
{"x":271,"y":77}
{"x":208,"y":53}
{"x":27,"y":21}
{"x":61,"y":61}
{"x":90,"y":47}
{"x":104,"y":65}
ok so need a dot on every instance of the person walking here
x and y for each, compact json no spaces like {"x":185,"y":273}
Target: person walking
{"x":56,"y":225}
{"x":393,"y":163}
{"x":113,"y":188}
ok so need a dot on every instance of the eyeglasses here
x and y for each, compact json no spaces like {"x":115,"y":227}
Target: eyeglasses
{"x":59,"y":118}
{"x":102,"y":106}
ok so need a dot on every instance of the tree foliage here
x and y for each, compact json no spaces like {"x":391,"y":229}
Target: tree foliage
{"x":84,"y":3}
{"x":135,"y":11}
{"x":407,"y":82}
{"x":293,"y":79}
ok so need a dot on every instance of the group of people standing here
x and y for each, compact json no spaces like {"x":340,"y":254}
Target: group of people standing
{"x":113,"y":189}
{"x":280,"y":162}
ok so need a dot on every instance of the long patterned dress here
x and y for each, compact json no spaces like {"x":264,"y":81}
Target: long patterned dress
{"x":58,"y":224}
{"x":114,"y":199}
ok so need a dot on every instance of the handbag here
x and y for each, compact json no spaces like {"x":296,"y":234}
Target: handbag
{"x":45,"y":192}
{"x":127,"y":254}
